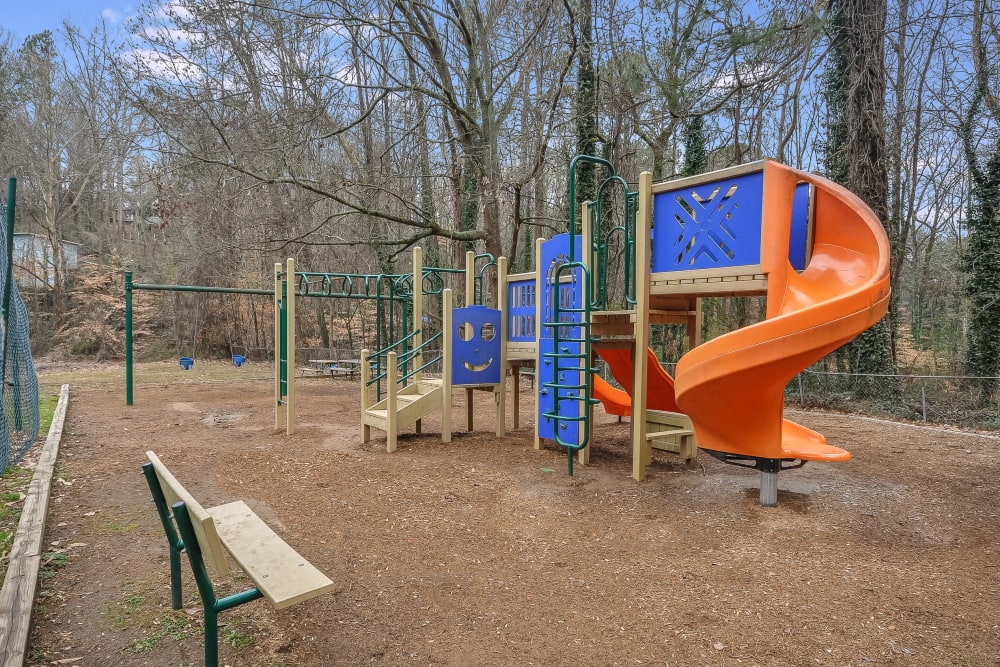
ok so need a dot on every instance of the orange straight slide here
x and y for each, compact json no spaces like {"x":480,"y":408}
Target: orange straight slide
{"x":615,"y":401}
{"x":659,"y":384}
{"x":732,"y":387}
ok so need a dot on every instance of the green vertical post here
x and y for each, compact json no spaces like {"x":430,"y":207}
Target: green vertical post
{"x":283,"y":349}
{"x":8,"y":279}
{"x":407,"y":330}
{"x":128,"y":338}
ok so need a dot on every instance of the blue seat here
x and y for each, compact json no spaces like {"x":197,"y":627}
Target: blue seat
{"x":186,"y":363}
{"x":239,"y":360}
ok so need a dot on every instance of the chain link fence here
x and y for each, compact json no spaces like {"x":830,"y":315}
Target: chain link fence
{"x":938,"y":399}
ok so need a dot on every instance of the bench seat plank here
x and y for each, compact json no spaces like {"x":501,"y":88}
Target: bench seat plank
{"x":281,"y":574}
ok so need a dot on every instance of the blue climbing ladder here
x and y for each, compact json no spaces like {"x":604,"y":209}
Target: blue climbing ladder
{"x":564,"y":375}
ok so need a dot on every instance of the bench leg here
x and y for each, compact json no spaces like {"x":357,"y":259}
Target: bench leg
{"x":209,"y":602}
{"x":174,"y":542}
{"x":689,"y":451}
{"x":175,"y":579}
{"x":211,"y":637}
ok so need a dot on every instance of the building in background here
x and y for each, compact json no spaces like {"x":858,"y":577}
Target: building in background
{"x":34,"y":267}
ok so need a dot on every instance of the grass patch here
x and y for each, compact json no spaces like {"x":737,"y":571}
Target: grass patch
{"x":14,"y":482}
{"x":172,"y":624}
{"x":121,"y":613}
{"x":52,"y":561}
{"x":13,"y":486}
{"x":121,"y":526}
{"x":46,"y":409}
{"x":237,"y":638}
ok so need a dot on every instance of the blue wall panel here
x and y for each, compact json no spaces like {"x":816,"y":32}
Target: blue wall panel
{"x":555,"y":252}
{"x":797,"y":250}
{"x":476,"y":344}
{"x":521,"y":311}
{"x":709,"y":226}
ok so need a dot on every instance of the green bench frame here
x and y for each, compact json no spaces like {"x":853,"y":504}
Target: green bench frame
{"x":278,"y":572}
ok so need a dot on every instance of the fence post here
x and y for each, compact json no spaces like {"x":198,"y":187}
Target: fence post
{"x":802,"y":396}
{"x":923,"y":399}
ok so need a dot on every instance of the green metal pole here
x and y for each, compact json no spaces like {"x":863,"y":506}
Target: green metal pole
{"x":8,"y":280}
{"x":283,"y":350}
{"x":174,"y":542}
{"x":211,"y":604}
{"x":128,"y":338}
{"x":198,"y":288}
{"x":572,"y":195}
{"x":407,"y":330}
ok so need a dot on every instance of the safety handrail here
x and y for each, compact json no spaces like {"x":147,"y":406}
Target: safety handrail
{"x":480,"y":279}
{"x":602,"y":245}
{"x":402,"y":360}
{"x":373,"y":356}
{"x":409,"y":355}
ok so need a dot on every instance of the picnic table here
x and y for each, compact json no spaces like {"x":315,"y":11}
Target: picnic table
{"x":336,"y":367}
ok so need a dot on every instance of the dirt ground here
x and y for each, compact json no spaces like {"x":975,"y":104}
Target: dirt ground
{"x":484,"y":551}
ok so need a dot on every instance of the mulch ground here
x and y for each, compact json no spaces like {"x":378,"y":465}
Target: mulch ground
{"x":484,"y":552}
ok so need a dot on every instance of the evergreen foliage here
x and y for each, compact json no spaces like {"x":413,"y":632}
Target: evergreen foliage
{"x":854,"y":148}
{"x":695,"y":147}
{"x":981,"y":258}
{"x":586,"y":108}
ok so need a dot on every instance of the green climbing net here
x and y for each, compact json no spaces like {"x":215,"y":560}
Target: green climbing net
{"x":19,"y":419}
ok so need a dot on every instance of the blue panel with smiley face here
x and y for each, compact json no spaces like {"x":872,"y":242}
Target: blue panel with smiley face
{"x":475,"y":346}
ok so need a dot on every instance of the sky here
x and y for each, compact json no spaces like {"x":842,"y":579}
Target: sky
{"x":22,"y":18}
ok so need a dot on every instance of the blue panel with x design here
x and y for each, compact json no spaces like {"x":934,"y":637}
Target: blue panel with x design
{"x":709,"y":226}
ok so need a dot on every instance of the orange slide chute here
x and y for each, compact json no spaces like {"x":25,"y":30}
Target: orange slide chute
{"x":732,"y":387}
{"x":615,"y":401}
{"x":659,"y":384}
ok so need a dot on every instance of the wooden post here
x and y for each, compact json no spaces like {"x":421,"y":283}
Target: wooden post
{"x":641,"y":449}
{"x":290,"y":337}
{"x":366,"y":373}
{"x":470,"y":278}
{"x":447,"y":330}
{"x":418,"y":312}
{"x":515,"y":379}
{"x":539,"y":291}
{"x":469,"y":408}
{"x":694,"y":323}
{"x":502,"y":306}
{"x":587,"y":255}
{"x":391,"y":418}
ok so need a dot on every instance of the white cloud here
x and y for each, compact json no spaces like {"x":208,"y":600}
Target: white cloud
{"x":110,"y":15}
{"x":173,"y":9}
{"x":172,"y":35}
{"x":161,"y":65}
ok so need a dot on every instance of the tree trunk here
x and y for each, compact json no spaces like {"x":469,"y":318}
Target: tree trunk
{"x":856,"y":140}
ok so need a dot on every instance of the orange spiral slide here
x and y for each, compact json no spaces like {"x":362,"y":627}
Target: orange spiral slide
{"x":732,"y":387}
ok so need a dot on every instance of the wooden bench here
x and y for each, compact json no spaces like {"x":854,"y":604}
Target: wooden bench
{"x":277,"y":571}
{"x":672,"y":432}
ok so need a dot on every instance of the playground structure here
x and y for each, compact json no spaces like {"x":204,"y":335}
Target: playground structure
{"x":813,"y":249}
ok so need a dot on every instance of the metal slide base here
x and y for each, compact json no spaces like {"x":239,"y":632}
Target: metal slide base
{"x":769,"y":469}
